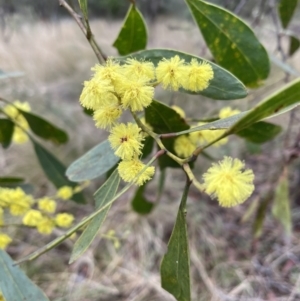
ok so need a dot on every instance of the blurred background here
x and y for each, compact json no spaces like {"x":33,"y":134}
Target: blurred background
{"x":39,"y":39}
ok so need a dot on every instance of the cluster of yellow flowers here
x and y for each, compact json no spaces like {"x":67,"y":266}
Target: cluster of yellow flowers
{"x":186,"y":144}
{"x":19,"y":135}
{"x":38,"y":213}
{"x":114,"y":88}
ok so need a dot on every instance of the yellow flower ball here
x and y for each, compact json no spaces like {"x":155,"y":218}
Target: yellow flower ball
{"x":198,"y":76}
{"x":184,"y":146}
{"x":126,"y":140}
{"x":32,"y":218}
{"x":228,"y":112}
{"x":95,"y":93}
{"x":171,"y":73}
{"x":106,"y":116}
{"x":5,"y":240}
{"x":136,"y":94}
{"x":65,"y":192}
{"x":128,"y":170}
{"x":228,"y":183}
{"x":47,"y":205}
{"x":135,"y":69}
{"x":45,"y":226}
{"x":111,"y":71}
{"x":19,"y":202}
{"x":64,"y":220}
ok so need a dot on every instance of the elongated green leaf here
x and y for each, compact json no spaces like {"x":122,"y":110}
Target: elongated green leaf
{"x":175,"y":266}
{"x":45,"y":129}
{"x":286,"y":10}
{"x":148,"y":147}
{"x":54,"y":170}
{"x":164,"y":119}
{"x":232,"y":42}
{"x":281,"y":206}
{"x":84,"y":8}
{"x":102,"y":196}
{"x":139,"y":203}
{"x":10,"y":180}
{"x":95,"y":163}
{"x":224,"y":85}
{"x":287,"y":96}
{"x":133,"y":34}
{"x":260,"y":132}
{"x":14,"y":284}
{"x":261,"y":214}
{"x":6,"y":132}
{"x":294,"y":45}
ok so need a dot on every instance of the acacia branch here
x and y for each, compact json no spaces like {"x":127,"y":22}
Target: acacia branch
{"x":86,"y":31}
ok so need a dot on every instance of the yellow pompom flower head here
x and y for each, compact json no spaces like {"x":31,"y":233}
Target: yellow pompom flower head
{"x":228,"y":183}
{"x":65,"y":192}
{"x":128,"y":170}
{"x":64,"y":220}
{"x":184,"y":146}
{"x":228,"y":112}
{"x":126,"y":140}
{"x":136,"y":94}
{"x":135,"y":69}
{"x":198,"y":76}
{"x":171,"y":73}
{"x":107,"y":116}
{"x":5,"y":240}
{"x":111,"y":71}
{"x":95,"y":93}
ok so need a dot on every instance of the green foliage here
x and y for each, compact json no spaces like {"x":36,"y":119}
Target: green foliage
{"x":286,"y":10}
{"x":84,"y":8}
{"x":6,"y":132}
{"x":288,"y":95}
{"x":224,"y":85}
{"x":164,"y":119}
{"x":232,"y":43}
{"x":8,"y":181}
{"x":45,"y":129}
{"x":175,"y":266}
{"x":260,"y":132}
{"x":102,"y":196}
{"x":54,"y":170}
{"x":14,"y":284}
{"x":294,"y":45}
{"x":139,"y":203}
{"x":95,"y":163}
{"x":281,"y":207}
{"x":133,"y":34}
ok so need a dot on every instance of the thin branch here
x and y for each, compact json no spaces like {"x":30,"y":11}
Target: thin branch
{"x":86,"y":31}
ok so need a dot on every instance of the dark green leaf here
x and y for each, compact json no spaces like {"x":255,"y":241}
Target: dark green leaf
{"x":54,"y":170}
{"x":44,"y":129}
{"x":84,"y":8}
{"x":10,"y":180}
{"x":261,"y":214}
{"x":286,"y":10}
{"x":6,"y":132}
{"x":133,"y":34}
{"x":102,"y":196}
{"x":175,"y":266}
{"x":260,"y":132}
{"x":95,"y":163}
{"x":148,"y":147}
{"x":139,"y":203}
{"x":88,"y":112}
{"x":224,"y":85}
{"x":14,"y":284}
{"x":287,"y":96}
{"x":294,"y":45}
{"x":232,"y":42}
{"x":164,"y":119}
{"x":281,"y":207}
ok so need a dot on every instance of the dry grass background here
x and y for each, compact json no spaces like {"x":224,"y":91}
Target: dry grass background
{"x":56,"y":59}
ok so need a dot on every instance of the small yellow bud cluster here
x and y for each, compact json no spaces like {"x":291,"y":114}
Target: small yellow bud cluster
{"x":19,"y":136}
{"x":186,"y":144}
{"x":38,"y":213}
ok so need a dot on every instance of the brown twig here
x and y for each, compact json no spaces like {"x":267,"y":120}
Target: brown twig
{"x":86,"y":31}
